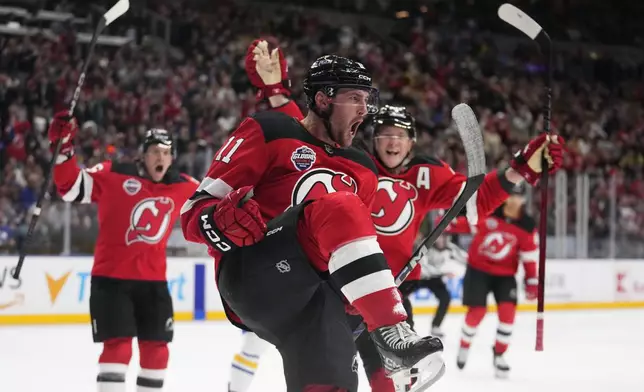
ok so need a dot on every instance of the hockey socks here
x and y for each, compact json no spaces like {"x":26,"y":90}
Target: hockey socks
{"x":113,"y":364}
{"x":473,"y":318}
{"x":360,"y":270}
{"x":154,"y":361}
{"x":245,"y":362}
{"x":506,"y":311}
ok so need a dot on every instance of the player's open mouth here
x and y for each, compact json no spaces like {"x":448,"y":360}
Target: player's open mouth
{"x":158,"y":168}
{"x":392,"y":153}
{"x":354,"y":127}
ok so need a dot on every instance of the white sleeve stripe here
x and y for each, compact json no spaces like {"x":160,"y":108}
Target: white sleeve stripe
{"x":74,"y":191}
{"x":187,"y":206}
{"x":155,"y":374}
{"x":529,"y":256}
{"x":353,"y":251}
{"x":368,"y":284}
{"x":87,"y":182}
{"x":214,"y":187}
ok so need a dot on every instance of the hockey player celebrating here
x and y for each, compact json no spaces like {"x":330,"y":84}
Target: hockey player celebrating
{"x":288,"y":280}
{"x":501,"y":242}
{"x":404,"y":195}
{"x":138,"y":204}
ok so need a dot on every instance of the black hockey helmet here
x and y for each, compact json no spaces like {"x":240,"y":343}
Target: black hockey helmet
{"x":158,"y":136}
{"x":330,"y":73}
{"x":396,"y":116}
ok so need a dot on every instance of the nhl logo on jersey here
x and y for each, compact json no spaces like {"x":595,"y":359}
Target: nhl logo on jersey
{"x":491,"y":223}
{"x":131,"y":186}
{"x":303,"y":158}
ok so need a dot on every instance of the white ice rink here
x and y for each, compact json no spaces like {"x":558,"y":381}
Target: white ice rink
{"x":584,"y":351}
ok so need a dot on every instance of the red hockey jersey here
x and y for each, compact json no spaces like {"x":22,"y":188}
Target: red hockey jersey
{"x":500,"y":243}
{"x":135,"y":215}
{"x":403,"y":201}
{"x":285,"y":165}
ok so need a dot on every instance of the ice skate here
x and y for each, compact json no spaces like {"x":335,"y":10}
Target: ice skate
{"x":401,"y":349}
{"x":461,"y":358}
{"x":501,"y":367}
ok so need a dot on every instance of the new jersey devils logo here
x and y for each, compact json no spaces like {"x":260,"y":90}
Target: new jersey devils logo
{"x":393,"y":207}
{"x":318,"y":182}
{"x":497,"y":245}
{"x":149,"y":220}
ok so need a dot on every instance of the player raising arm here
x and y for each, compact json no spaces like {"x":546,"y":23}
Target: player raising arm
{"x":408,"y":186}
{"x":138,"y":204}
{"x":288,"y":280}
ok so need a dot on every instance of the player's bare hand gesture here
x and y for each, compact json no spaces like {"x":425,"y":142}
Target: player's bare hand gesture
{"x":267,"y":64}
{"x":266,"y":68}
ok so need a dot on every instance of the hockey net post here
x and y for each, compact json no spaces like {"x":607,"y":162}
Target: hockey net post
{"x":110,"y":16}
{"x":528,"y":26}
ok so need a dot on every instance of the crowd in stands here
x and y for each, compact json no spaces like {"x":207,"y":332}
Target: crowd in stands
{"x":202,"y":94}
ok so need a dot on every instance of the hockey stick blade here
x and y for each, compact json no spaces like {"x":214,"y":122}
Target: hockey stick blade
{"x":519,"y":20}
{"x":110,"y":16}
{"x":524,"y":23}
{"x":116,"y":11}
{"x":472,"y":139}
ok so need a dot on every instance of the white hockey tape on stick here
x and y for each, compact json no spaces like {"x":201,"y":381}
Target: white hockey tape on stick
{"x":520,"y":20}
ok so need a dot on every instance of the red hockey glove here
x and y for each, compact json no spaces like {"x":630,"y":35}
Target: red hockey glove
{"x":267,"y":68}
{"x":234,"y":222}
{"x":527,"y":162}
{"x":63,"y":127}
{"x":531,"y":288}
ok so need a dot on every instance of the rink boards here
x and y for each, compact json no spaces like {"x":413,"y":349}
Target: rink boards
{"x":56,"y":289}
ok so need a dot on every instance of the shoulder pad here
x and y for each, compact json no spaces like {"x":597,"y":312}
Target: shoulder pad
{"x":278,"y":125}
{"x":424,"y":160}
{"x":125,"y":168}
{"x":359,"y":156}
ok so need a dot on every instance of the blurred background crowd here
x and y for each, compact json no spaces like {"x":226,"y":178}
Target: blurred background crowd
{"x":179,"y":65}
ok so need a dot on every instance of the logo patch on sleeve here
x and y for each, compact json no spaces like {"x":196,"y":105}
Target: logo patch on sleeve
{"x":303,"y":158}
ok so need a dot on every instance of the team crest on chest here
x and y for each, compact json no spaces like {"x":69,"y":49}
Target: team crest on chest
{"x":303,"y":158}
{"x":132,"y":186}
{"x":393,"y":208}
{"x":150,"y":219}
{"x":318,"y":182}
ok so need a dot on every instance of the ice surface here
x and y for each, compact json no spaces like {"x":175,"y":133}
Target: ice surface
{"x":584,"y":351}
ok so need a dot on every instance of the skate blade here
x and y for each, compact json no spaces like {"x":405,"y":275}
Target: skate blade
{"x":424,"y":383}
{"x":430,"y":369}
{"x":501,"y":374}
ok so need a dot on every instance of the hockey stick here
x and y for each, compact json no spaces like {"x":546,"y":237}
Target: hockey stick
{"x":521,"y":21}
{"x":470,"y":133}
{"x":110,"y":16}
